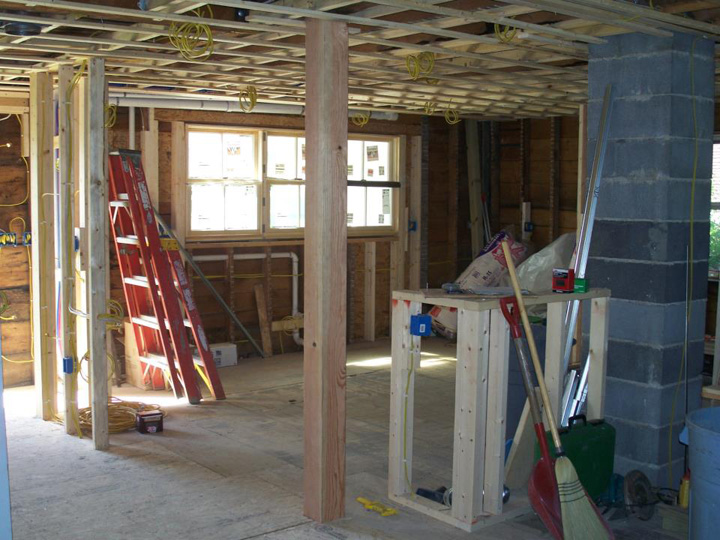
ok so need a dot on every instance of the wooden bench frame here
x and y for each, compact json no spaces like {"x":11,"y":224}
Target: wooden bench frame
{"x":483,"y":345}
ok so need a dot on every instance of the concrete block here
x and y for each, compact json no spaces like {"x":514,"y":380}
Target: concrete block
{"x":654,"y":159}
{"x":645,"y":281}
{"x":657,"y":474}
{"x":650,"y":404}
{"x":638,"y":362}
{"x":661,"y":241}
{"x":623,"y":198}
{"x":640,"y":442}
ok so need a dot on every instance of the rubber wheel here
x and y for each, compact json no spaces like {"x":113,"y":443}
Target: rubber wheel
{"x":639,"y":496}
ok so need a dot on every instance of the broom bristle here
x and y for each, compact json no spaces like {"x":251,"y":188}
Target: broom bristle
{"x":579,"y":518}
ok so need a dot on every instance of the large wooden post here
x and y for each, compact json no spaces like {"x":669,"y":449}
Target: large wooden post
{"x":43,"y":278}
{"x":97,"y":241}
{"x":326,"y":121}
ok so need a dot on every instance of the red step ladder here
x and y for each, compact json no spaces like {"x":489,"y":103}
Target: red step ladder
{"x":156,"y":286}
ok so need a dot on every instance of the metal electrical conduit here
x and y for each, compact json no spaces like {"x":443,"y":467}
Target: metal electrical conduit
{"x":123,"y":99}
{"x":258,"y":256}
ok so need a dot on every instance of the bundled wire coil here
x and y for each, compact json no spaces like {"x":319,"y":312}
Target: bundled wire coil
{"x":110,"y":115}
{"x":248,"y":98}
{"x":194,"y":40}
{"x":452,"y":116}
{"x":420,"y":64}
{"x":506,"y":33}
{"x":360,"y":119}
{"x":121,"y":415}
{"x":430,"y":108}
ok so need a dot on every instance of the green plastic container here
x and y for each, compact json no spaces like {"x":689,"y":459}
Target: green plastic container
{"x":591,"y":448}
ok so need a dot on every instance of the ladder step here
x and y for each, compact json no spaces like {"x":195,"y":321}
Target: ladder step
{"x":119,"y":204}
{"x":130,"y":239}
{"x":139,"y":281}
{"x":159,"y":361}
{"x":152,"y":322}
{"x":123,"y":196}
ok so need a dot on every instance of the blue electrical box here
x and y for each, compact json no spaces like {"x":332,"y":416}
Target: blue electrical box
{"x":420,"y":325}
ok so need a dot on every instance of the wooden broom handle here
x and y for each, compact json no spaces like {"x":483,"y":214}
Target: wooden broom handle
{"x":531,"y":345}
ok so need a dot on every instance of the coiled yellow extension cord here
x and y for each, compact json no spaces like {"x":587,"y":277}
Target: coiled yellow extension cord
{"x":505,"y":34}
{"x":194,"y":40}
{"x":420,"y":64}
{"x":121,"y":415}
{"x":360,"y":118}
{"x":248,"y":98}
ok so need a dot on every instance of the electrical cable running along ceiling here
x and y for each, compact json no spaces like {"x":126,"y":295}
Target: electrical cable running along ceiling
{"x":473,"y":58}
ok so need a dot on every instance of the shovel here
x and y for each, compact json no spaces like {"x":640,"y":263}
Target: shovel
{"x":542,"y":488}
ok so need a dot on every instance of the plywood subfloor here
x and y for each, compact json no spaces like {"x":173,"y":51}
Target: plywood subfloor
{"x":233,"y":469}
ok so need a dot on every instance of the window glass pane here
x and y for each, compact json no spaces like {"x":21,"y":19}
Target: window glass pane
{"x":376,"y":160}
{"x":355,"y":160}
{"x":239,"y":156}
{"x":206,"y":209}
{"x":356,"y":207}
{"x":715,"y":197}
{"x":379,"y":204}
{"x":204,"y":155}
{"x":301,"y":157}
{"x":281,"y":158}
{"x":241,"y":207}
{"x":714,"y":259}
{"x":285,"y":206}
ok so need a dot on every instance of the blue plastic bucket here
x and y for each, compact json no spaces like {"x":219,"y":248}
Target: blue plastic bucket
{"x":704,"y":450}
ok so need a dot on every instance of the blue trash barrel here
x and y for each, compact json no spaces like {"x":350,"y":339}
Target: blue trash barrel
{"x":704,"y":450}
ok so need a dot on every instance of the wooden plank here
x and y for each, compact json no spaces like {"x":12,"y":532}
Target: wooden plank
{"x":495,"y":175}
{"x":399,"y":246}
{"x":519,"y":464}
{"x":326,"y":120}
{"x":150,"y":146}
{"x":25,"y":135}
{"x":263,"y":319}
{"x":498,"y":371}
{"x":97,"y":243}
{"x":575,"y":359}
{"x":599,"y":324}
{"x":554,"y":342}
{"x":66,"y":238}
{"x":42,"y":216}
{"x":415,"y":235}
{"x":178,"y":180}
{"x":230,"y":287}
{"x":471,"y":379}
{"x":554,"y":198}
{"x":369,"y":291}
{"x":472,"y":148}
{"x":5,"y":514}
{"x":405,"y":360}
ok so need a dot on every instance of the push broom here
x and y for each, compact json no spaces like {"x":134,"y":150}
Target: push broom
{"x":580,"y":517}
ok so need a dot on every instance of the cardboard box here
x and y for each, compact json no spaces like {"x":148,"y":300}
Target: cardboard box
{"x":225,"y":354}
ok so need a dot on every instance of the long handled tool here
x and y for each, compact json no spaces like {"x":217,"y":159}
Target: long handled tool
{"x":542,"y":487}
{"x":580,"y":518}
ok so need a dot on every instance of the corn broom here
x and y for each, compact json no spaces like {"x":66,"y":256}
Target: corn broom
{"x":580,"y":518}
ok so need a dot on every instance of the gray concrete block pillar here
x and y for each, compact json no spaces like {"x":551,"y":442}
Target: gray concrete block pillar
{"x":661,"y":133}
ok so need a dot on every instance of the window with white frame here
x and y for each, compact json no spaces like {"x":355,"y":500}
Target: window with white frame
{"x":252,"y":183}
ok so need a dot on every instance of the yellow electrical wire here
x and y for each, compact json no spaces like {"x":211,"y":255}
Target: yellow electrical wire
{"x":506,"y":33}
{"x":420,"y":64}
{"x":110,"y":115}
{"x":430,"y":108}
{"x":452,"y":116}
{"x":360,"y":119}
{"x":121,"y":415}
{"x":248,"y":98}
{"x":691,"y":255}
{"x":194,"y":40}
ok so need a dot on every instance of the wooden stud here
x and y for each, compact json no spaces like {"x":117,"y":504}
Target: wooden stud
{"x":471,"y":380}
{"x":149,"y":146}
{"x":575,"y":359}
{"x":178,"y":180}
{"x":498,"y":371}
{"x":554,"y":202}
{"x":453,"y":152}
{"x":554,"y":342}
{"x":405,"y":361}
{"x":25,"y":135}
{"x":495,"y":175}
{"x":326,"y":120}
{"x":263,"y":319}
{"x":97,"y":242}
{"x":369,"y":291}
{"x":42,"y":218}
{"x":399,"y":247}
{"x":66,"y":249}
{"x":5,"y":513}
{"x":230,"y":284}
{"x":267,"y":280}
{"x":472,"y":149}
{"x":599,"y":324}
{"x":415,"y":235}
